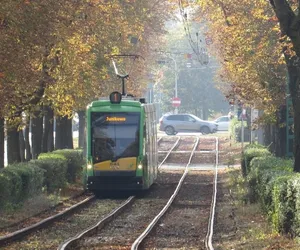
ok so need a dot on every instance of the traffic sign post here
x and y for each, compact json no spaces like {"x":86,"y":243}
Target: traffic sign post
{"x":176,"y":102}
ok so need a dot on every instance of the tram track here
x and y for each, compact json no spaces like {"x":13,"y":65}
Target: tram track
{"x":54,"y":232}
{"x":126,"y":225}
{"x":200,"y":240}
{"x":41,"y":220}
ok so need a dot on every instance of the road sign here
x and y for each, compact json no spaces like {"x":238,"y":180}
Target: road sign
{"x":176,"y":101}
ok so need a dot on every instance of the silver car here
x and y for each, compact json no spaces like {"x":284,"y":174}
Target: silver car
{"x":172,"y":124}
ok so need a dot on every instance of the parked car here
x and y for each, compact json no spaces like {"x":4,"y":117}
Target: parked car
{"x":172,"y":124}
{"x":223,"y":123}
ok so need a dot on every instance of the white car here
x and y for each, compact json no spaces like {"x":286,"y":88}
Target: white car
{"x":223,"y":123}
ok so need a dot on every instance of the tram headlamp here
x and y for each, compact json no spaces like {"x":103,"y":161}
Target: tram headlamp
{"x":89,"y":166}
{"x":140,"y":166}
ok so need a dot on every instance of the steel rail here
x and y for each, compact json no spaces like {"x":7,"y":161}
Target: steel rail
{"x":140,"y":239}
{"x":159,"y":139}
{"x":210,"y":231}
{"x":71,"y":242}
{"x":169,"y":152}
{"x":185,"y":152}
{"x":43,"y":223}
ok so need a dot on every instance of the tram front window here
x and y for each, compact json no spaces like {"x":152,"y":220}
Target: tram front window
{"x":114,"y":135}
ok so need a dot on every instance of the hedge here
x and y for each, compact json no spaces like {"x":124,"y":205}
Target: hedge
{"x":18,"y":182}
{"x":75,"y":161}
{"x":55,"y":166}
{"x":252,"y":150}
{"x":274,"y":184}
{"x":51,"y":171}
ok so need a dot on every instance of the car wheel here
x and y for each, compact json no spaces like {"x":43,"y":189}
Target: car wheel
{"x":204,"y":130}
{"x":169,"y":130}
{"x":214,"y":131}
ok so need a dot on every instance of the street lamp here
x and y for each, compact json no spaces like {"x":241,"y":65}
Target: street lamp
{"x":175,"y":71}
{"x":176,"y":91}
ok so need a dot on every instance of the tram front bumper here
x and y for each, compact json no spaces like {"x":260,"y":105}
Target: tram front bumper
{"x":95,"y":183}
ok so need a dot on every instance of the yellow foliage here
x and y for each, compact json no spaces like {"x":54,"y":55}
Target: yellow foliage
{"x":245,"y":36}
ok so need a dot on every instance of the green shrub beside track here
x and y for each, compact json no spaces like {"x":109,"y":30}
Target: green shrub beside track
{"x":273,"y":183}
{"x":50,"y":172}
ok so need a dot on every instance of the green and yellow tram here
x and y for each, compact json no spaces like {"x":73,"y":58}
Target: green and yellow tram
{"x":121,"y":144}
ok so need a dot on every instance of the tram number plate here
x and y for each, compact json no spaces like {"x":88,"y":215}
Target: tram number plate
{"x":114,"y":166}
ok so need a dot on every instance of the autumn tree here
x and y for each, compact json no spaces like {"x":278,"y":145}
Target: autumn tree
{"x":55,"y":58}
{"x":288,"y":16}
{"x":244,"y":36}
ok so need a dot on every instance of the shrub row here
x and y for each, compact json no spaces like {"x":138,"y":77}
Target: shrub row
{"x":273,"y":183}
{"x":50,"y":172}
{"x":235,"y":130}
{"x":252,"y":150}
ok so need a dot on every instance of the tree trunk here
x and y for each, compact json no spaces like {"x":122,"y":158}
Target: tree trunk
{"x":267,"y":135}
{"x":288,"y":20}
{"x":293,"y":83}
{"x":50,"y":144}
{"x":36,"y":134}
{"x":281,"y":133}
{"x":81,"y":131}
{"x":64,"y":133}
{"x":47,"y":144}
{"x":28,"y":156}
{"x":2,"y":138}
{"x":13,"y":146}
{"x":22,"y":145}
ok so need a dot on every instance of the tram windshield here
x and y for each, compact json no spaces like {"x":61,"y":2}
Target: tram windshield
{"x":114,"y":135}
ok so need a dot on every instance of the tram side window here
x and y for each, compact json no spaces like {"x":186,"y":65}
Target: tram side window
{"x":144,"y":140}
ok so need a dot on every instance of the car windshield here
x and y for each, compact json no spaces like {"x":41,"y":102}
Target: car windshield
{"x":196,"y":118}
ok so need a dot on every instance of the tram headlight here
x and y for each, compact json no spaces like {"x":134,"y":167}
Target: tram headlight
{"x":140,"y":166}
{"x":89,"y":166}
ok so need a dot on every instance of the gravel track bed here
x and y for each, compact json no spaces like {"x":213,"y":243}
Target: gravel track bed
{"x":204,"y":158}
{"x":186,"y":144}
{"x":166,"y":143}
{"x":52,"y":237}
{"x":206,"y":144}
{"x":185,"y":225}
{"x":122,"y":232}
{"x":43,"y":215}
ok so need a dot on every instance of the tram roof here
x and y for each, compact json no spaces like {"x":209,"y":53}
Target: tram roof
{"x":126,"y":101}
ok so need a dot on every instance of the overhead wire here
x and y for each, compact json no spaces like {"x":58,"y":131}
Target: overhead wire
{"x":194,"y":45}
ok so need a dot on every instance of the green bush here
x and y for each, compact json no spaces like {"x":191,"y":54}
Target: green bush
{"x":6,"y":189}
{"x":55,"y":166}
{"x":15,"y":184}
{"x":293,"y":205}
{"x":32,"y":178}
{"x":235,"y":130}
{"x":264,"y":171}
{"x":18,"y":182}
{"x":251,"y":151}
{"x":75,"y":161}
{"x":273,"y":183}
{"x":281,"y":215}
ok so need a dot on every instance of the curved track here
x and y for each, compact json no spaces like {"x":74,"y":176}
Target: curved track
{"x":208,"y":239}
{"x":21,"y":233}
